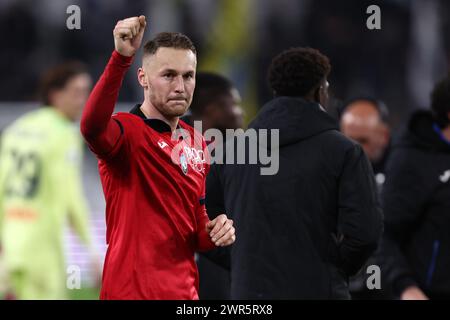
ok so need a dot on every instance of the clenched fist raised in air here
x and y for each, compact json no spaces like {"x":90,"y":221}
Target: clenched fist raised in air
{"x":128,"y":35}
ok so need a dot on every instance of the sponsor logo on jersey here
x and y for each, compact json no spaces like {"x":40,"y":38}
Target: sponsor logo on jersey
{"x":183,"y":163}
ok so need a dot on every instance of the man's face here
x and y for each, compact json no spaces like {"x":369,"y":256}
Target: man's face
{"x":361,"y":123}
{"x":70,"y":100}
{"x":226,"y":112}
{"x":168,"y":78}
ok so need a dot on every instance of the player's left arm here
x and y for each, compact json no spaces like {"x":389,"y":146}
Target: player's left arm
{"x":211,"y":233}
{"x":218,"y":232}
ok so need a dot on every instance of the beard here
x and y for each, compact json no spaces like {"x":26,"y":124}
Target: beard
{"x":175,"y":108}
{"x":171,"y":108}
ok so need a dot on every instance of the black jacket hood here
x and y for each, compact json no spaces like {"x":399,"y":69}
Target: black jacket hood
{"x":420,"y":134}
{"x":296,"y":118}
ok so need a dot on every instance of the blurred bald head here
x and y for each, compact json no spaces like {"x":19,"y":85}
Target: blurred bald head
{"x":362,"y":122}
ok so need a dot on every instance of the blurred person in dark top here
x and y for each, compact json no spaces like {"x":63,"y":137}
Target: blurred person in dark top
{"x":415,"y":250}
{"x":365,"y":120}
{"x":216,"y":103}
{"x":309,"y":226}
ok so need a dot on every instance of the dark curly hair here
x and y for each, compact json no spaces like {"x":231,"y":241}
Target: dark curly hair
{"x":295,"y":72}
{"x":440,"y":102}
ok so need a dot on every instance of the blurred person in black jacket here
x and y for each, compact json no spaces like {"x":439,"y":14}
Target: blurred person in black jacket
{"x":415,"y":250}
{"x":365,"y":120}
{"x":216,"y":103}
{"x":305,"y":229}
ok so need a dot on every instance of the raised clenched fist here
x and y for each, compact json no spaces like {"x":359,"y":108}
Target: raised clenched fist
{"x":128,"y":35}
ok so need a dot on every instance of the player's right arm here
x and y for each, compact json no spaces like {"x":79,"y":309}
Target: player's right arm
{"x":98,"y":128}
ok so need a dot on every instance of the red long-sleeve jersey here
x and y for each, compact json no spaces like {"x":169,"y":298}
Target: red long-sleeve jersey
{"x":154,"y":189}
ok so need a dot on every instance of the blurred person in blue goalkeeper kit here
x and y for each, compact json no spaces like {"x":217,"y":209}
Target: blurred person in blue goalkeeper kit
{"x":365,"y":120}
{"x":40,"y":186}
{"x":216,"y":103}
{"x":415,"y":250}
{"x":306,"y":227}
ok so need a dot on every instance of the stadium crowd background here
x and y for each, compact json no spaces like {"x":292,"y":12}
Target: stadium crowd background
{"x":398,"y":64}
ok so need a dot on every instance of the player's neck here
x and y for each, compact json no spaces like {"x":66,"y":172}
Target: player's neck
{"x":63,"y":114}
{"x":151,"y":112}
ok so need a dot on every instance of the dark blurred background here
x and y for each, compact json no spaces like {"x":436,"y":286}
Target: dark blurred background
{"x":397,"y":64}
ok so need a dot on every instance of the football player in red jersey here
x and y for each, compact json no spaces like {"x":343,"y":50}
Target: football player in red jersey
{"x":155,"y":207}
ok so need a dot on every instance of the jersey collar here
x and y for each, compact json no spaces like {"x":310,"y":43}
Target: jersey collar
{"x":155,"y":124}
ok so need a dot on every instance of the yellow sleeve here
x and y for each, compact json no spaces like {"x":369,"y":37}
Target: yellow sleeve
{"x":2,"y":190}
{"x":77,"y":206}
